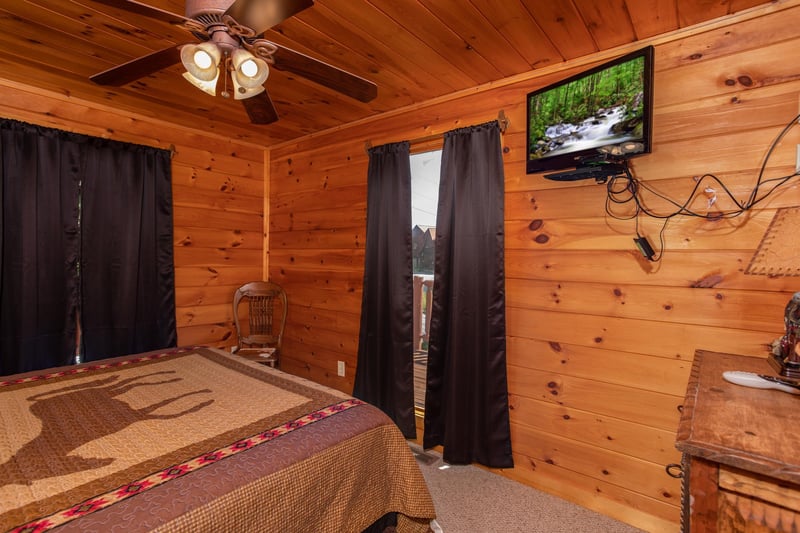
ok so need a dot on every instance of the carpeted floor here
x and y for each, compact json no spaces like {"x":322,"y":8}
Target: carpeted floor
{"x":469,"y":499}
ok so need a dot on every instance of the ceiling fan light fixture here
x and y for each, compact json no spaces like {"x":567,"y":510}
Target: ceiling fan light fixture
{"x":240,"y":92}
{"x":207,"y":86}
{"x":201,"y":60}
{"x":248,"y":71}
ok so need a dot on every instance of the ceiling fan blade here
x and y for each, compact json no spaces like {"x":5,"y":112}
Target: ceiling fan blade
{"x":261,"y":15}
{"x":138,"y":68}
{"x":143,"y":9}
{"x":260,"y":109}
{"x":324,"y":74}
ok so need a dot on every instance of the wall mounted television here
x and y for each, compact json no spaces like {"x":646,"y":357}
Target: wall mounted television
{"x":605,"y":110}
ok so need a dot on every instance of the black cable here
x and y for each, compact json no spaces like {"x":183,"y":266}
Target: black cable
{"x":632,"y":188}
{"x":772,"y":147}
{"x":661,"y":241}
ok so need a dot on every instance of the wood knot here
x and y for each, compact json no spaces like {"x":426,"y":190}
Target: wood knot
{"x":707,"y":282}
{"x":541,"y":239}
{"x":535,"y":225}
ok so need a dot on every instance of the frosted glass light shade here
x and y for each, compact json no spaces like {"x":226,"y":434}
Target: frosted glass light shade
{"x":240,"y":92}
{"x":201,"y":60}
{"x":207,"y":86}
{"x":249,"y":71}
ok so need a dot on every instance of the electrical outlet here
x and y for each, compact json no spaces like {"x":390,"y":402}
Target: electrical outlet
{"x":340,"y":368}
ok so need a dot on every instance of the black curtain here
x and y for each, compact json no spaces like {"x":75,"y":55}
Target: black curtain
{"x":86,"y":229}
{"x":384,"y":375}
{"x":39,"y":247}
{"x":466,"y":402}
{"x":127,"y":274}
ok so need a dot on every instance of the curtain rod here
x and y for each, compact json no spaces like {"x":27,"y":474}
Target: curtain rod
{"x":502,"y":119}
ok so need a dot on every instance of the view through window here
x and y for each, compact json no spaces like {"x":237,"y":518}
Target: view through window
{"x":425,"y":169}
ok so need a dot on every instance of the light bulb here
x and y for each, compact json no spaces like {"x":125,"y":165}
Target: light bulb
{"x":249,"y":68}
{"x":202,"y":59}
{"x":249,"y":71}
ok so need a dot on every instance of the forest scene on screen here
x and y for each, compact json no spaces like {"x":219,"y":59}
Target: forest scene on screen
{"x":605,"y":107}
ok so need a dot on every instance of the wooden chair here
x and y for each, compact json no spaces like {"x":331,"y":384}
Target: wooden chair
{"x":267,"y":307}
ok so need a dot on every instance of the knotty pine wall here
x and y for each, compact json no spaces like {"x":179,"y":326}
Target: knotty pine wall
{"x":600,"y":341}
{"x":218,"y":199}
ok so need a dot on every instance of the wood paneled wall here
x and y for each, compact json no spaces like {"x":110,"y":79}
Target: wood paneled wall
{"x":600,"y":341}
{"x":218,"y":199}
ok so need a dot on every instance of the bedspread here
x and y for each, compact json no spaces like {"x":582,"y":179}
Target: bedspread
{"x":198,"y":440}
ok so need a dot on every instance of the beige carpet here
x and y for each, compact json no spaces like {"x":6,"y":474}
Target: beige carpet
{"x":469,"y":499}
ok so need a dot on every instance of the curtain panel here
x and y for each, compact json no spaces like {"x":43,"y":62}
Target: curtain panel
{"x":127,"y":273}
{"x":384,"y":375}
{"x":39,"y":250}
{"x":466,"y":402}
{"x":85,"y":231}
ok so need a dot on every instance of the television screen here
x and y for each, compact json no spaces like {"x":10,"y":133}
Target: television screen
{"x":605,"y":109}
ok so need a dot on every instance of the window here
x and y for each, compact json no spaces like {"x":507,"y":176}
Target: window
{"x":425,"y":168}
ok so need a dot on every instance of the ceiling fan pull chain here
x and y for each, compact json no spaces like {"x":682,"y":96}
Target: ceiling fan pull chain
{"x":226,"y":69}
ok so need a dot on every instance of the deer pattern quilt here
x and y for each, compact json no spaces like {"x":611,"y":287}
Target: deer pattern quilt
{"x":197,"y":440}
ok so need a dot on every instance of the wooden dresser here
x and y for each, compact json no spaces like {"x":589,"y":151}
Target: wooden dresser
{"x":741,"y":450}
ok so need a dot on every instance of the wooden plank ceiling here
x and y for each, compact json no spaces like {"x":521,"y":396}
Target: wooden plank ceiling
{"x":414,"y":50}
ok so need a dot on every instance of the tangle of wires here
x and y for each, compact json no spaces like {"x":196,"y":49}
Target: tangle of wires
{"x":625,"y":188}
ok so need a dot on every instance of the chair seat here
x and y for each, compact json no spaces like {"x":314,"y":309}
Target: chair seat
{"x":267,"y":356}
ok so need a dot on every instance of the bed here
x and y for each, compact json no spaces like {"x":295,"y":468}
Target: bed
{"x":196,"y":439}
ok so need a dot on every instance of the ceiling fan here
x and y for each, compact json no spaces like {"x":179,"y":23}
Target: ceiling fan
{"x":232,"y":48}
